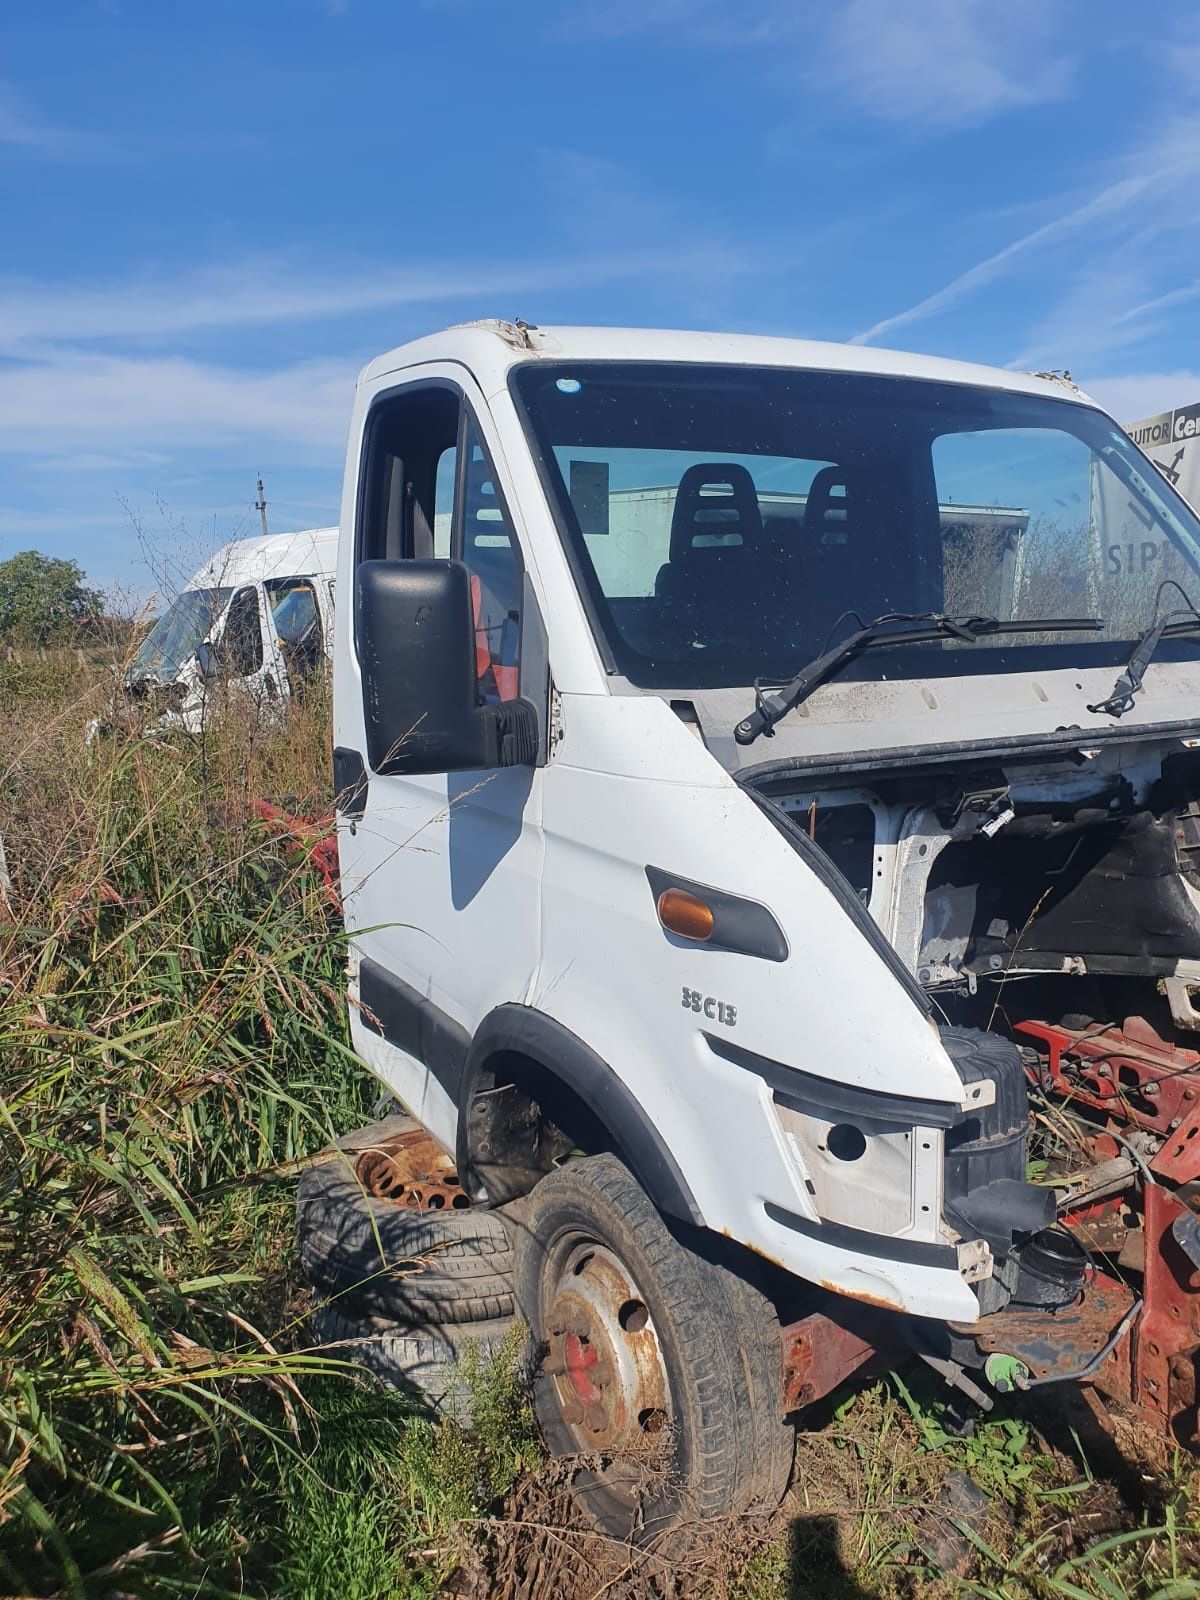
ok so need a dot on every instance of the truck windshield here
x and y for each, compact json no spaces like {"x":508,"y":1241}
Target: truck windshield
{"x":722,"y":520}
{"x":186,"y":623}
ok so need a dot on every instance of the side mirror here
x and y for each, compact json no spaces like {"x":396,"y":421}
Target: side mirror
{"x":416,"y":647}
{"x":206,"y":660}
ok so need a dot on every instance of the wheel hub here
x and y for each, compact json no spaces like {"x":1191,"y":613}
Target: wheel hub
{"x":580,"y":1358}
{"x":603,"y":1353}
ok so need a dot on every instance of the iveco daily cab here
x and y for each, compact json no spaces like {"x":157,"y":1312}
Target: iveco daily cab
{"x":767,"y":772}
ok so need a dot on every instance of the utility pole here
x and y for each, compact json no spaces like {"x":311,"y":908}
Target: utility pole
{"x":260,"y":505}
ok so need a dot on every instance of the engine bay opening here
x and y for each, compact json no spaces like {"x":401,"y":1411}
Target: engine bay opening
{"x":1054,"y":909}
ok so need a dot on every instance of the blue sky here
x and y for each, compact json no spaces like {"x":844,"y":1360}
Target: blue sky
{"x":213,"y":215}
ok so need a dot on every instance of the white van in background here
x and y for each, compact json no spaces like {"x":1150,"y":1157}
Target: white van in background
{"x":259,"y":614}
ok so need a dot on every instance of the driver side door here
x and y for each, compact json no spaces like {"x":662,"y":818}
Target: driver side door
{"x":441,"y":873}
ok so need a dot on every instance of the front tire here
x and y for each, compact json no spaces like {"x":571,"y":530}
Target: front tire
{"x":658,"y":1367}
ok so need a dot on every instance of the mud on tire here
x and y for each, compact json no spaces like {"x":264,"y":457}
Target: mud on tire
{"x":636,"y":1341}
{"x":408,"y":1266}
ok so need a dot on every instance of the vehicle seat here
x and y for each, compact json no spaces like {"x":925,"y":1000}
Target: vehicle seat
{"x":836,"y":581}
{"x":826,"y":513}
{"x":710,"y":583}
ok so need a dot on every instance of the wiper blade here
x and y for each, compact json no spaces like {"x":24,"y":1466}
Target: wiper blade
{"x":1127,"y":685}
{"x":893,"y":627}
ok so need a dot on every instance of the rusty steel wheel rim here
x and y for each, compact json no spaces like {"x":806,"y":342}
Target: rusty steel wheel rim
{"x":603,"y":1353}
{"x":411,"y":1171}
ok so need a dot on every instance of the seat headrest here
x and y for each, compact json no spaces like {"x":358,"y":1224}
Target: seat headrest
{"x":822,"y":500}
{"x":716,"y":505}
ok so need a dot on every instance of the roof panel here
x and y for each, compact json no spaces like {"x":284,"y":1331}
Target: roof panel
{"x":489,"y":349}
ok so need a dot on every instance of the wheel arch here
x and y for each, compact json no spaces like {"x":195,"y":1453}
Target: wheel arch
{"x":531,"y":1091}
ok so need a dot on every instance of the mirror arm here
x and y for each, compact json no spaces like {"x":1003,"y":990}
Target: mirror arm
{"x":511,"y":733}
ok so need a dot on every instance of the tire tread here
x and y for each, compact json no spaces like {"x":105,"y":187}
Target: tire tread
{"x":354,"y":1245}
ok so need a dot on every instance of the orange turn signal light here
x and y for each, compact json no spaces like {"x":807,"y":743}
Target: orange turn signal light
{"x":685,"y":914}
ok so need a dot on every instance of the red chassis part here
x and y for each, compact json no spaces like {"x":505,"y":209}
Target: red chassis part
{"x":1135,"y":1078}
{"x":1132,"y":1080}
{"x":823,"y":1349}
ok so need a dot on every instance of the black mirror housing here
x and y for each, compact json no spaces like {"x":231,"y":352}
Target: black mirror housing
{"x":416,"y":646}
{"x":207,"y":659}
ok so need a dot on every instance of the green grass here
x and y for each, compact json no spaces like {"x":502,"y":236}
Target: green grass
{"x":172,"y":1031}
{"x":173,"y":1041}
{"x":379,"y":1508}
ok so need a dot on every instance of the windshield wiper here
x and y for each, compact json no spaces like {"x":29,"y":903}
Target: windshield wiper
{"x":893,"y":627}
{"x":1165,"y":627}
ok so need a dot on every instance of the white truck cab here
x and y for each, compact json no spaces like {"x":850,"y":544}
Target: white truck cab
{"x":739,"y":760}
{"x":258,"y":614}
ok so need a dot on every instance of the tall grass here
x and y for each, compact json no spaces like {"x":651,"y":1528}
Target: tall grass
{"x":171,"y":1032}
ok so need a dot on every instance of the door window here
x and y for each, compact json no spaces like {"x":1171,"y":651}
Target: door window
{"x":429,"y":492}
{"x":297,"y":626}
{"x":445,"y":480}
{"x":409,"y":476}
{"x":1034,"y":523}
{"x":489,"y":550}
{"x":241,"y":653}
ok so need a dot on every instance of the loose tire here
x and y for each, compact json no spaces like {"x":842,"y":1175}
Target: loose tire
{"x":429,"y":1364}
{"x":658,"y":1367}
{"x":409,"y":1266}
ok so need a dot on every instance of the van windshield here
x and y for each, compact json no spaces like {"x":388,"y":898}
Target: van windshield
{"x":173,"y":639}
{"x":724,"y":521}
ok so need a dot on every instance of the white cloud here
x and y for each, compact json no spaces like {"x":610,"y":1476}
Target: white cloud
{"x":89,"y":402}
{"x":944,"y":62}
{"x":939,"y":63}
{"x":1111,"y":200}
{"x":626,"y":19}
{"x":62,"y":395}
{"x":1143,"y":394}
{"x":1166,"y":301}
{"x":596,"y":200}
{"x":17,"y":126}
{"x":1084,"y":325}
{"x":24,"y":522}
{"x":21,"y":128}
{"x":1138,"y":202}
{"x":260,"y":291}
{"x":93,"y":461}
{"x":1127,"y":279}
{"x":112,"y":386}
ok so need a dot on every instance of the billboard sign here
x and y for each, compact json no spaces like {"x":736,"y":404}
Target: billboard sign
{"x":1172,"y":441}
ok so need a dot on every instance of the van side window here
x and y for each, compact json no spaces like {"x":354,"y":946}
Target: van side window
{"x":408,"y":477}
{"x":241,"y":653}
{"x":297,"y":625}
{"x":489,"y":550}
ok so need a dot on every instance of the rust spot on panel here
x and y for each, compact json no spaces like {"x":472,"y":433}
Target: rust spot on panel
{"x":878,"y":1302}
